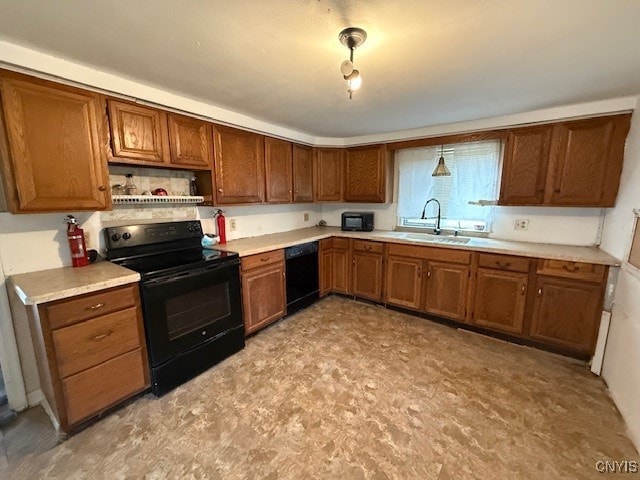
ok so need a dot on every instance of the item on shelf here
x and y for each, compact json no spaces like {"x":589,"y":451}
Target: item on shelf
{"x":193,"y":188}
{"x":75,"y":236}
{"x":118,"y":189}
{"x":220,"y":220}
{"x":209,"y":240}
{"x":160,"y":191}
{"x":154,"y":199}
{"x":129,"y":186}
{"x":322,"y":223}
{"x":147,"y":193}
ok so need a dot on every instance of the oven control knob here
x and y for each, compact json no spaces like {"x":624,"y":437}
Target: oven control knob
{"x":126,"y":235}
{"x":204,"y":332}
{"x":190,"y":228}
{"x":115,"y":237}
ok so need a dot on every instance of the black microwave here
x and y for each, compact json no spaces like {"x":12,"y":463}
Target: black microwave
{"x":357,"y":221}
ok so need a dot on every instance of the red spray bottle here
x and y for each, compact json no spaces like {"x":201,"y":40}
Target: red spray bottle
{"x":222,"y":233}
{"x":75,"y":236}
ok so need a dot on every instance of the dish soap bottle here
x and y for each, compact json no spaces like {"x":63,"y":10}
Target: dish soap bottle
{"x":129,"y":186}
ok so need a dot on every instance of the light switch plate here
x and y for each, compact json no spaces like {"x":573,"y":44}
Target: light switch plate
{"x":521,"y":224}
{"x":306,"y":216}
{"x":232,"y":225}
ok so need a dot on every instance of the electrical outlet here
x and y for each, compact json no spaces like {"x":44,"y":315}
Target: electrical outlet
{"x":232,"y":225}
{"x":521,"y":224}
{"x":306,"y":216}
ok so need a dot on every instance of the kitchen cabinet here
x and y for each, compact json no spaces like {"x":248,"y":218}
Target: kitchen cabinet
{"x":278,"y":170}
{"x":500,"y":299}
{"x":525,"y":165}
{"x":325,"y":259}
{"x":52,"y":146}
{"x":263,"y":289}
{"x":567,"y":313}
{"x":575,"y":163}
{"x":91,"y":352}
{"x":139,"y":134}
{"x":238,"y":166}
{"x":403,"y":286}
{"x":446,"y":289}
{"x":340,"y":266}
{"x":367,"y":275}
{"x":365,"y":174}
{"x":328,"y":178}
{"x":191,"y":142}
{"x":302,"y":174}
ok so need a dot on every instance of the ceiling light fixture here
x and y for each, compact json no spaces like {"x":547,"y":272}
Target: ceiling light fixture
{"x":441,"y":169}
{"x":351,"y":38}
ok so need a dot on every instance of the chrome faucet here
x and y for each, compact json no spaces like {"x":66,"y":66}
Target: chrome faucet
{"x":437,"y":229}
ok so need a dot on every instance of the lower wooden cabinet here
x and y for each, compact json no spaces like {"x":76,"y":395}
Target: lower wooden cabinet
{"x":446,"y":290}
{"x":263,"y":290}
{"x":403,"y":286}
{"x":367,"y":274}
{"x":500,"y":299}
{"x":567,"y":313}
{"x":340,"y":269}
{"x":91,"y":352}
{"x":324,"y":270}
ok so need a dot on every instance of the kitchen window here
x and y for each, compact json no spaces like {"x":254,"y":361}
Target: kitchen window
{"x":474,"y":171}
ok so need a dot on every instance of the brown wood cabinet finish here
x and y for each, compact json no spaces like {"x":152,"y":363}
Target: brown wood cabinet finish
{"x":403,"y":286}
{"x":191,"y":142}
{"x":139,"y":134}
{"x":278,"y":167}
{"x":302,"y":174}
{"x":328,"y":178}
{"x":525,"y":164}
{"x":340,"y":270}
{"x":325,"y":271}
{"x":238,"y":166}
{"x":446,"y":290}
{"x":500,"y":299}
{"x":365,"y":174}
{"x":567,"y":313}
{"x":367,"y":273}
{"x":52,"y":145}
{"x":263,"y":295}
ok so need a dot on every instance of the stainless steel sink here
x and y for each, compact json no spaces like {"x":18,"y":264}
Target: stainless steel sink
{"x":430,"y":238}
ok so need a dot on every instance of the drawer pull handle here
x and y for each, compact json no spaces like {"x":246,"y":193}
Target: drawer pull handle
{"x":97,"y":338}
{"x":570,"y":268}
{"x":540,"y":292}
{"x":264,"y":259}
{"x":503,"y":265}
{"x":523,"y":289}
{"x":96,"y":306}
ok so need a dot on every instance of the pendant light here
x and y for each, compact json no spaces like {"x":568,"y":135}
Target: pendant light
{"x":351,"y":38}
{"x":441,"y":169}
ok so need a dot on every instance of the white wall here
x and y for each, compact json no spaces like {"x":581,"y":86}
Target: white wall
{"x":621,"y":368}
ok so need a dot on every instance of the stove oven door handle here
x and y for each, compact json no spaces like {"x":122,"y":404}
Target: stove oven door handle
{"x":174,"y":277}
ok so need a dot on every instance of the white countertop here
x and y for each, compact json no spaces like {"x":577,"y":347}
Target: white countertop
{"x":265,"y":243}
{"x":44,"y":286}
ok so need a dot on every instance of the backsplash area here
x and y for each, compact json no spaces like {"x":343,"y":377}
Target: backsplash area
{"x":175,"y":182}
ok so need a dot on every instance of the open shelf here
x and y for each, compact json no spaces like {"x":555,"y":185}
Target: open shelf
{"x":155,"y":199}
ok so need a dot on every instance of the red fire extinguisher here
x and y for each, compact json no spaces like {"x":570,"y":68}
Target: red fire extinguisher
{"x":222,"y":233}
{"x":75,"y":236}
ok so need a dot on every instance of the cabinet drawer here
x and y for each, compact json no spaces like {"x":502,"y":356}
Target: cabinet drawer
{"x":504,"y":262}
{"x":262,"y":259}
{"x":94,"y":341}
{"x":341,"y":243}
{"x":74,"y":310}
{"x":96,"y":389}
{"x":366,"y":246}
{"x":564,"y":268}
{"x":430,"y":253}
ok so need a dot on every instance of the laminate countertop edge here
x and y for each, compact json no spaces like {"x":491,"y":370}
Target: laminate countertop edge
{"x":265,"y":243}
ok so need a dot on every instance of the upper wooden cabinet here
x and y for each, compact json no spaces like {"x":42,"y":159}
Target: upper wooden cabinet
{"x":238,"y":166}
{"x":365,"y":174}
{"x":139,"y":134}
{"x":575,"y":164}
{"x":52,"y":146}
{"x":278,"y":168}
{"x":526,"y":160}
{"x":328,"y":174}
{"x":302,"y":174}
{"x":190,"y":141}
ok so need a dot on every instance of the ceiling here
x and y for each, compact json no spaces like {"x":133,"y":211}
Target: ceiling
{"x":425,"y":62}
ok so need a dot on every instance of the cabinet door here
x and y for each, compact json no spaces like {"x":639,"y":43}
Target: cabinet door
{"x":446,"y":290}
{"x":587,"y":162}
{"x":567,"y":313}
{"x":500,"y":299}
{"x":340,"y":278}
{"x":525,"y":165}
{"x":278,"y":170}
{"x":191,"y":142}
{"x":365,"y":172}
{"x":238,"y":166}
{"x":302,"y":174}
{"x":325,"y":271}
{"x":328,"y":174}
{"x":367,"y":275}
{"x":57,"y":155}
{"x":138,"y":134}
{"x":263,"y":296}
{"x":403,"y":286}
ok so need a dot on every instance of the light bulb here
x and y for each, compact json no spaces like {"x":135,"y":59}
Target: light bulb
{"x":346,"y":68}
{"x":354,"y":80}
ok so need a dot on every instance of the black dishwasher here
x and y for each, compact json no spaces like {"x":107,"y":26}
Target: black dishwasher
{"x":302,"y":276}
